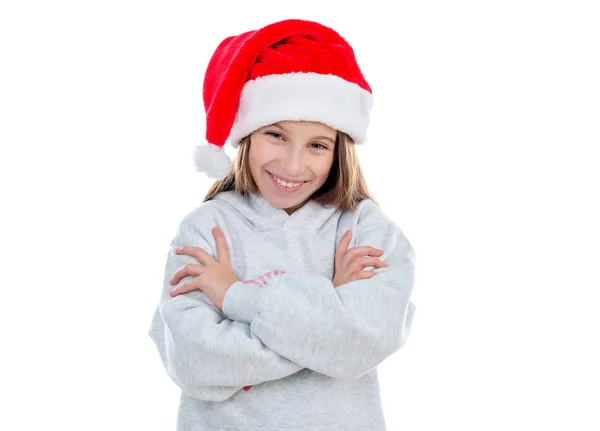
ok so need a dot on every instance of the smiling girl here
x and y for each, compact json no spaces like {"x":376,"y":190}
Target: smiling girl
{"x":288,"y":286}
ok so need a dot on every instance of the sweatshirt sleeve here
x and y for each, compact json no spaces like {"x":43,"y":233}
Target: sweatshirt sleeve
{"x":207,"y":355}
{"x":341,"y":332}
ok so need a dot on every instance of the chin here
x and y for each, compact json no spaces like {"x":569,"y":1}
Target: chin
{"x":283,"y":202}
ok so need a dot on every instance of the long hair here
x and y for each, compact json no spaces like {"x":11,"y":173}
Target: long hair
{"x":345,"y":186}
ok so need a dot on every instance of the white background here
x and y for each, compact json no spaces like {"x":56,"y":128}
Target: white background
{"x":483,"y":147}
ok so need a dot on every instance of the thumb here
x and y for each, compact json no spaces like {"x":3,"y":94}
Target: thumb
{"x":342,"y":247}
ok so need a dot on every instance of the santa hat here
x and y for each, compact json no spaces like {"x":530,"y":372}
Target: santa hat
{"x":289,"y":70}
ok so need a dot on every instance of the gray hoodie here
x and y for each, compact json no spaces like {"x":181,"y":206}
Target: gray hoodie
{"x":289,"y":351}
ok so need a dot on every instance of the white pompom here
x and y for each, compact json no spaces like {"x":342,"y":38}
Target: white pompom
{"x":212,"y":160}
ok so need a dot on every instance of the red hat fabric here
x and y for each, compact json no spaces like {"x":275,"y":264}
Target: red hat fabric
{"x":289,"y":70}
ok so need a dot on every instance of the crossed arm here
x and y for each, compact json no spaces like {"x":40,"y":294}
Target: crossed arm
{"x":294,"y":322}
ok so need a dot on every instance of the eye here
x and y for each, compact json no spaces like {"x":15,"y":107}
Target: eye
{"x":322,"y":146}
{"x":274,"y":134}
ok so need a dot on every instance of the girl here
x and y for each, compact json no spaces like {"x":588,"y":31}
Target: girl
{"x":287,"y":286}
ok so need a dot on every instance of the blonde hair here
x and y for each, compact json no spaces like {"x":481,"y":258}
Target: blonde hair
{"x":345,"y":186}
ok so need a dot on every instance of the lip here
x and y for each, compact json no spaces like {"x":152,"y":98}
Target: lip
{"x":287,"y":180}
{"x":282,"y":188}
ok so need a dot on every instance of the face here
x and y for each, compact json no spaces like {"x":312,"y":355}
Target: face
{"x":290,"y":160}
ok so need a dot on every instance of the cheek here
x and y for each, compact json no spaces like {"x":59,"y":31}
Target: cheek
{"x":258,"y":157}
{"x":324,"y":168}
{"x":259,"y":151}
{"x":263,"y":154}
{"x":255,"y":157}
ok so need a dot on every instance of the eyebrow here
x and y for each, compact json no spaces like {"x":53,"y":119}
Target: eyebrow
{"x":327,"y":138}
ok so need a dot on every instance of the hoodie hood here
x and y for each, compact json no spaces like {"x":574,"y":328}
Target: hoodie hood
{"x":265,"y":216}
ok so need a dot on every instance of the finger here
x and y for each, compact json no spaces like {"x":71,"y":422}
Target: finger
{"x":363,"y":262}
{"x":342,"y":248}
{"x":185,"y":288}
{"x":200,"y":254}
{"x":222,"y":248}
{"x":185,"y":270}
{"x":355,"y":252}
{"x":363,"y":275}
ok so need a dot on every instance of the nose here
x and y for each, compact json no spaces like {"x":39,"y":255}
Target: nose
{"x":293,"y":162}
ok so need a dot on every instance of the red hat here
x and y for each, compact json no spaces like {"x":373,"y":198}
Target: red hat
{"x":289,"y":70}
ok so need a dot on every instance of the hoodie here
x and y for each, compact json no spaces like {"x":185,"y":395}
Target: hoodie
{"x":288,"y":351}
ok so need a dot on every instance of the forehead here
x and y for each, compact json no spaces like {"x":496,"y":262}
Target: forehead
{"x":306,"y":127}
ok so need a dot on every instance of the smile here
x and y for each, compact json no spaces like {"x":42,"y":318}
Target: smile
{"x":284,"y":186}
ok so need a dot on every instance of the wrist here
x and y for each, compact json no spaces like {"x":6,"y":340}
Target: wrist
{"x":241,"y":301}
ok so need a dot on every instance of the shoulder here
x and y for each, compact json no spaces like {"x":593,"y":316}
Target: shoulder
{"x":198,"y":222}
{"x":368,"y":213}
{"x":373,"y":224}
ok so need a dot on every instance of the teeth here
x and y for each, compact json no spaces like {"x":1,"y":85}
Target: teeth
{"x":283,"y":183}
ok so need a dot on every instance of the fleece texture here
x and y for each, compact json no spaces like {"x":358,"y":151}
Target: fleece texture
{"x":288,"y":351}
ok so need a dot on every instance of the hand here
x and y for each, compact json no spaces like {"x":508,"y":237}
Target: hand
{"x":214,"y":277}
{"x":349,"y":264}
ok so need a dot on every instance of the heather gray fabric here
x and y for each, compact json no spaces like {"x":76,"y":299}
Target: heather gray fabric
{"x":289,"y":351}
